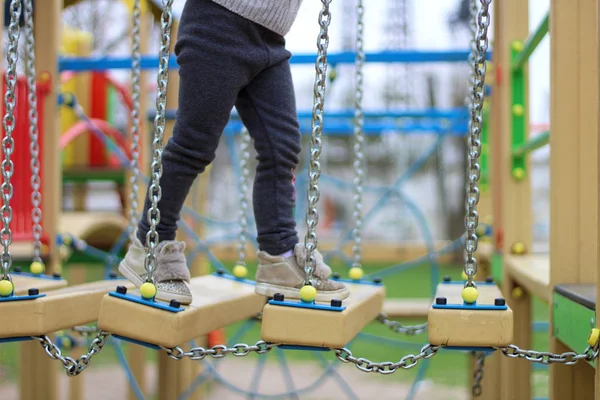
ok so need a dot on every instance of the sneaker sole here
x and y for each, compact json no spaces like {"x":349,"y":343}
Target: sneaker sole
{"x":135,"y":279}
{"x":268,"y":290}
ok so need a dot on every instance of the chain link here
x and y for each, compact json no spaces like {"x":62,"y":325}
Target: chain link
{"x":72,"y":366}
{"x":154,"y":192}
{"x":243,"y":193}
{"x":410,"y":330}
{"x":314,"y":170}
{"x":219,"y":351}
{"x":358,"y":136}
{"x":386,"y":367}
{"x":8,"y":144}
{"x":543,"y":357}
{"x":479,"y":46}
{"x":136,"y":73}
{"x":34,"y":148}
{"x":476,"y":389}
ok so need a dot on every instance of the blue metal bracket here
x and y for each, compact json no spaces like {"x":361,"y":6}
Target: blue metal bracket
{"x":357,"y":282}
{"x":21,"y":298}
{"x":16,"y":339}
{"x":138,"y":342}
{"x":302,"y":348}
{"x":466,"y":306}
{"x":304,"y":304}
{"x":150,"y":303}
{"x":486,"y":350}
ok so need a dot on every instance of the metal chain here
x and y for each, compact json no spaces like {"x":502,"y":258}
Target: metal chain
{"x":476,"y":389}
{"x":410,"y":330}
{"x":154,"y":192}
{"x":243,"y":193}
{"x":34,"y":148}
{"x":219,"y":351}
{"x":358,"y":136}
{"x":479,"y":51}
{"x":386,"y":367}
{"x":8,"y":144}
{"x":542,"y":357}
{"x":74,"y":367}
{"x":314,"y":170}
{"x":136,"y":73}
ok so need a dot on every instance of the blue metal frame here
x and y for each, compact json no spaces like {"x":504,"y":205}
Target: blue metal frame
{"x":151,"y":62}
{"x":138,"y":342}
{"x":150,"y":303}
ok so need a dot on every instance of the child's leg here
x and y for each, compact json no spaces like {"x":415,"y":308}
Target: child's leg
{"x":267,"y":107}
{"x":218,"y":52}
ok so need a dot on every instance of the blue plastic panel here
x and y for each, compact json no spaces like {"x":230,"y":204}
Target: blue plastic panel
{"x":302,"y":304}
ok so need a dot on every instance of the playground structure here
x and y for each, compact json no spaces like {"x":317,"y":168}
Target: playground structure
{"x":573,"y":239}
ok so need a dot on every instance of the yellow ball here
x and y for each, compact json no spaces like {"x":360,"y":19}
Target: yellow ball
{"x":518,"y":110}
{"x":240,"y":271}
{"x":464,"y":276}
{"x":517,"y":292}
{"x":518,"y":248}
{"x":148,"y":290}
{"x":594,"y":337}
{"x":518,"y":173}
{"x":67,"y":343}
{"x":37,"y":268}
{"x":6,"y":288}
{"x":67,"y":240}
{"x":356,"y":273}
{"x":469,"y":295}
{"x":517,"y":45}
{"x":308,"y":294}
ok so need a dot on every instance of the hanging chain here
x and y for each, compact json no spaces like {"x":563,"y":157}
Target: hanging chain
{"x":476,"y":389}
{"x":36,"y":196}
{"x":136,"y":72}
{"x":543,"y":357}
{"x":479,"y":51}
{"x":72,"y":366}
{"x":409,"y":330}
{"x":243,"y":193}
{"x":219,"y":351}
{"x":386,"y":367}
{"x":358,"y":136}
{"x":8,"y":143}
{"x":154,"y":192}
{"x":314,"y":170}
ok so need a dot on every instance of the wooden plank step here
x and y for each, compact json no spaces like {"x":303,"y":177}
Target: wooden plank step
{"x":532,"y":272}
{"x":456,"y":324}
{"x":410,"y":308}
{"x":217,"y":301}
{"x":311,"y":327}
{"x":58,"y":309}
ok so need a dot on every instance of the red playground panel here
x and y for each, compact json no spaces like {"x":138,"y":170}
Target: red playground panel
{"x":22,"y":222}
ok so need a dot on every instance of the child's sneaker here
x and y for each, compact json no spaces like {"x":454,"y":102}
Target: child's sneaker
{"x":278,"y":274}
{"x":172,"y":276}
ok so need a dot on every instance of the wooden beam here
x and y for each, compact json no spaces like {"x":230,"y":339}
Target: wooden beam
{"x":573,"y":104}
{"x":531,"y":272}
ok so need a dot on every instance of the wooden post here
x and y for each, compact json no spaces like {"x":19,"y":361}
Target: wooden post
{"x":47,"y":44}
{"x":512,"y":209}
{"x":573,"y":204}
{"x":597,"y":167}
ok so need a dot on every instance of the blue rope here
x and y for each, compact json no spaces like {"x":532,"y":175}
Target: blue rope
{"x":132,"y":381}
{"x":285,"y":371}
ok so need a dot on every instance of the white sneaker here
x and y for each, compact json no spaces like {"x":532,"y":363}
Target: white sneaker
{"x":171,"y":275}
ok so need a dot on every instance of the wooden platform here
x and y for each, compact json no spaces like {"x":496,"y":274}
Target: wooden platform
{"x":217,"y":302}
{"x":532,"y":272}
{"x":59,"y":309}
{"x":317,"y":328}
{"x":411,"y":308}
{"x":583,"y":294}
{"x":24,"y":283}
{"x":469,"y":327}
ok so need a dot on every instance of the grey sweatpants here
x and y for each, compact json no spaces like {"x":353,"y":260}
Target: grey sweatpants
{"x":224,"y":61}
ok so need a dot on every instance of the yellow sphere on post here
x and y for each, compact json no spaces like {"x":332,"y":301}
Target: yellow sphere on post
{"x":6,"y":288}
{"x":148,"y":290}
{"x":593,"y":337}
{"x":37,"y":268}
{"x":308,"y":294}
{"x":356,"y":273}
{"x":240,"y":271}
{"x":518,"y":248}
{"x":469,"y":295}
